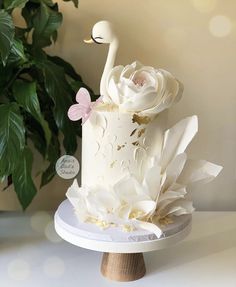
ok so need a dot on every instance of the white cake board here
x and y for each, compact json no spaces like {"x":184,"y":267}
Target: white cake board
{"x":114,"y":240}
{"x":123,"y":251}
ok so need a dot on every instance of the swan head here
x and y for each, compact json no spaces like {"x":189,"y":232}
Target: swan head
{"x":102,"y":33}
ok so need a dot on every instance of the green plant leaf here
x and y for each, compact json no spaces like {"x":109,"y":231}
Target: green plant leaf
{"x":9,"y":182}
{"x":28,"y":13}
{"x":22,"y":179}
{"x":46,"y":99}
{"x":11,"y":4}
{"x":47,"y":2}
{"x":6,"y":35}
{"x":46,"y":21}
{"x":68,"y":68}
{"x":12,"y":137}
{"x":26,"y":96}
{"x":60,"y":92}
{"x":17,"y":53}
{"x":76,"y":2}
{"x":20,"y":33}
{"x":53,"y":155}
{"x":5,"y":75}
{"x":38,"y":140}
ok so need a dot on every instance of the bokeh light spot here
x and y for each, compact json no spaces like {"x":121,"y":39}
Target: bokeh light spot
{"x":51,"y":234}
{"x":18,"y":269}
{"x":54,"y":267}
{"x":204,"y":6}
{"x":39,"y":220}
{"x":220,"y":26}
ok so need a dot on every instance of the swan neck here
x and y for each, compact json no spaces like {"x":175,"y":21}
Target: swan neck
{"x":109,"y":65}
{"x":111,"y":56}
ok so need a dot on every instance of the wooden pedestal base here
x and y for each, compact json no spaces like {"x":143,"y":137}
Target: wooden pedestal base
{"x":123,"y":266}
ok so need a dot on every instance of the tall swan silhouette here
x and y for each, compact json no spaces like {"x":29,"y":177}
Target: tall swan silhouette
{"x":103,"y":33}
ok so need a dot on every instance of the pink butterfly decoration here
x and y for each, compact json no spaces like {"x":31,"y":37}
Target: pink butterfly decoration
{"x":83,"y":109}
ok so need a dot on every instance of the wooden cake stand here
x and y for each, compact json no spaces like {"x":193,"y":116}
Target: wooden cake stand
{"x":123,"y":251}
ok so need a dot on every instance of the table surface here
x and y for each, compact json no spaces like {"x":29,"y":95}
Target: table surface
{"x":32,"y":254}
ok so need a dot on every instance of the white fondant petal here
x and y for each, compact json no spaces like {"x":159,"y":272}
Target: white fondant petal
{"x":113,"y":91}
{"x":128,"y":70}
{"x":150,"y":227}
{"x":137,"y":100}
{"x":177,"y":138}
{"x":115,"y":73}
{"x":145,"y":206}
{"x":174,"y":169}
{"x":73,"y":193}
{"x":152,"y":180}
{"x":124,"y":212}
{"x":177,"y":208}
{"x":125,"y":189}
{"x":198,"y":171}
{"x":170,"y":196}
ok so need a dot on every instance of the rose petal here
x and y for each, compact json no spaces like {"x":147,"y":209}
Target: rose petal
{"x":130,"y":69}
{"x":137,"y":100}
{"x":138,"y":88}
{"x":113,"y":91}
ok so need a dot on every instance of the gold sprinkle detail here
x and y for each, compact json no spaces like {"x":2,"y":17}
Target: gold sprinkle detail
{"x":136,"y":214}
{"x":133,"y":132}
{"x":119,"y":147}
{"x":135,"y":143}
{"x":100,"y":223}
{"x":141,"y":132}
{"x":127,"y":228}
{"x":113,"y":163}
{"x":165,"y":220}
{"x":141,"y":119}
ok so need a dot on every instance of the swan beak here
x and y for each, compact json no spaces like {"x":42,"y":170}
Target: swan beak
{"x":90,"y":41}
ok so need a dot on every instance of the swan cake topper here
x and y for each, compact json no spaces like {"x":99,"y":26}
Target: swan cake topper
{"x":103,"y":33}
{"x":131,"y":196}
{"x":134,"y":88}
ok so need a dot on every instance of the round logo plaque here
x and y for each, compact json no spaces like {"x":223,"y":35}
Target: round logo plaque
{"x":67,"y":166}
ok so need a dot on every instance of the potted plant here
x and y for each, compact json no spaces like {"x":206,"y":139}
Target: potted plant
{"x":36,"y":90}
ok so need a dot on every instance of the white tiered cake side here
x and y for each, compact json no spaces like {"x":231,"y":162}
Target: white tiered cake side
{"x":115,"y":144}
{"x":135,"y":173}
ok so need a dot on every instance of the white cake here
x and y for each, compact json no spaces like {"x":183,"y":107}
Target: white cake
{"x":115,"y":144}
{"x":135,"y":173}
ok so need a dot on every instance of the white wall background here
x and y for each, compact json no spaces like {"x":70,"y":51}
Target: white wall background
{"x":193,"y":39}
